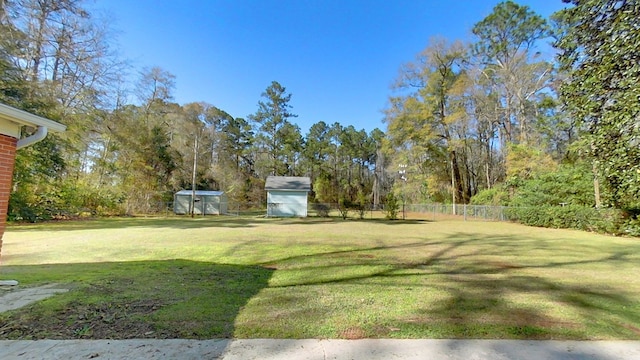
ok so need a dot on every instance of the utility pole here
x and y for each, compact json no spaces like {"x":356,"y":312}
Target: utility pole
{"x":193,"y":176}
{"x":453,"y":187}
{"x":403,"y":177}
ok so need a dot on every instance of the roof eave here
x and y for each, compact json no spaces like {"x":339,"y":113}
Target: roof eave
{"x":24,"y":118}
{"x":287,"y":189}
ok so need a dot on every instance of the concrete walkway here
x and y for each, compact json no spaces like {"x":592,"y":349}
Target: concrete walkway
{"x":14,"y":299}
{"x":373,"y":349}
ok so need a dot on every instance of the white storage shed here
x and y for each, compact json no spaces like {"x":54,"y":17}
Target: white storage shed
{"x":287,"y":196}
{"x":205,"y":202}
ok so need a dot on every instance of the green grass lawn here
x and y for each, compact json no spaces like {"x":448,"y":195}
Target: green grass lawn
{"x":251,"y":277}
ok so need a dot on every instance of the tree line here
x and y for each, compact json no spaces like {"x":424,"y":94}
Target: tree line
{"x":493,"y":121}
{"x":127,"y":157}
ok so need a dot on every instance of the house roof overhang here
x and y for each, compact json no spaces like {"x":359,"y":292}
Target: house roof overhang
{"x":12,"y":120}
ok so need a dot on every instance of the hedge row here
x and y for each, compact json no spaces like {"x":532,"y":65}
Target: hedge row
{"x":608,"y":221}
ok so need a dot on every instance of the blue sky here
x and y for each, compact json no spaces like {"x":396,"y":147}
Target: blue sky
{"x":337,"y":58}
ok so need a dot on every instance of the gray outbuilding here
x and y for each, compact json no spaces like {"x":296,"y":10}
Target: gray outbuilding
{"x":205,"y":202}
{"x":287,"y":196}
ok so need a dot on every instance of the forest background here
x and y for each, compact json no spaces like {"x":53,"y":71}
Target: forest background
{"x":487,"y":122}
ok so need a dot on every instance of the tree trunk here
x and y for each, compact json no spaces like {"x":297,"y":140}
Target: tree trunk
{"x":596,"y":185}
{"x":453,"y":186}
{"x":459,"y":184}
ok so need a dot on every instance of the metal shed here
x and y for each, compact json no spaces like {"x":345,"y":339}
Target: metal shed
{"x":205,"y":202}
{"x":287,"y":196}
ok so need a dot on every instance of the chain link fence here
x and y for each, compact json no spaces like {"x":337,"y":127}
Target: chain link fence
{"x":463,"y":211}
{"x":610,"y":221}
{"x":434,"y":211}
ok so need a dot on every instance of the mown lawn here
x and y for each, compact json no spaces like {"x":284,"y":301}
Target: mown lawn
{"x":251,"y":277}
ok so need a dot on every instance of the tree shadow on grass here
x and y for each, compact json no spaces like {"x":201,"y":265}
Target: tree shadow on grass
{"x":365,"y":219}
{"x":186,"y":222}
{"x":485,"y":286}
{"x":173,"y":222}
{"x":528,"y":307}
{"x":133,"y":300}
{"x":490,"y":286}
{"x":397,"y":221}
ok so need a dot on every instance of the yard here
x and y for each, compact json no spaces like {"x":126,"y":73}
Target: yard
{"x":251,"y":277}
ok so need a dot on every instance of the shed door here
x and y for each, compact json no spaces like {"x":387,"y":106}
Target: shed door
{"x":182,"y":204}
{"x":287,"y":203}
{"x":212,"y":205}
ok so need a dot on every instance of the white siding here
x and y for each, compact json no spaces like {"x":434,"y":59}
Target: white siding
{"x":286,"y":203}
{"x":207,"y":204}
{"x":181,"y":204}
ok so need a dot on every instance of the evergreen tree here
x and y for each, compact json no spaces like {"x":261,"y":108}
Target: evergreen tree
{"x":277,"y":139}
{"x":599,"y":42}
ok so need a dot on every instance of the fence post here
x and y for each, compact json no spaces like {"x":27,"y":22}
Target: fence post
{"x":403,"y":213}
{"x":464,"y":210}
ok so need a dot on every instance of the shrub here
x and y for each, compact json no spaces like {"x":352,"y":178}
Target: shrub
{"x":343,"y":207}
{"x":361,"y":206}
{"x":569,"y":217}
{"x":62,"y":200}
{"x":631,"y":222}
{"x":321,"y":209}
{"x":496,"y":196}
{"x":631,"y":227}
{"x":392,"y":205}
{"x":570,"y":184}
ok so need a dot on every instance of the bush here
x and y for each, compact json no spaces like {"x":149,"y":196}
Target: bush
{"x":321,"y":209}
{"x":391,"y":206}
{"x":631,"y":223}
{"x":361,"y":205}
{"x":570,"y":184}
{"x":569,"y":217}
{"x":63,"y":200}
{"x":631,"y":227}
{"x":343,"y":207}
{"x":496,"y":196}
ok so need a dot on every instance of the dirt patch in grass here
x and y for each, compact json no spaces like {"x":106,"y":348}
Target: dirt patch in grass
{"x":635,"y":329}
{"x":352,"y":333}
{"x":157,"y":299}
{"x":517,"y":323}
{"x":87,"y":321}
{"x":108,"y":320}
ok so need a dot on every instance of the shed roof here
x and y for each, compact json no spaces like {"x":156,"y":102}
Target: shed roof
{"x":290,"y":183}
{"x":200,"y":192}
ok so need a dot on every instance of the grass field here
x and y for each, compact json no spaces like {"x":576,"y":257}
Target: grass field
{"x":251,"y":277}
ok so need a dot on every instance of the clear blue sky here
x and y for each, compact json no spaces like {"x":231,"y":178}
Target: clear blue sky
{"x":336,"y":57}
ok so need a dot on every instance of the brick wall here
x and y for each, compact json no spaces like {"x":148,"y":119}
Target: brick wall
{"x":7,"y":160}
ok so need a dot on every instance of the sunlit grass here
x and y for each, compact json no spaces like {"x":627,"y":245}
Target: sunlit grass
{"x":328,"y":278}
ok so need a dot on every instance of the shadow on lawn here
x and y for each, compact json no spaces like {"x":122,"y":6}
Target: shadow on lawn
{"x":186,"y":222}
{"x":147,"y":299}
{"x":183,"y":222}
{"x":489,"y":291}
{"x":340,"y":220}
{"x":396,"y":222}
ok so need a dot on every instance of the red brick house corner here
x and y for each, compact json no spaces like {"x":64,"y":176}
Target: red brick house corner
{"x":12,"y":122}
